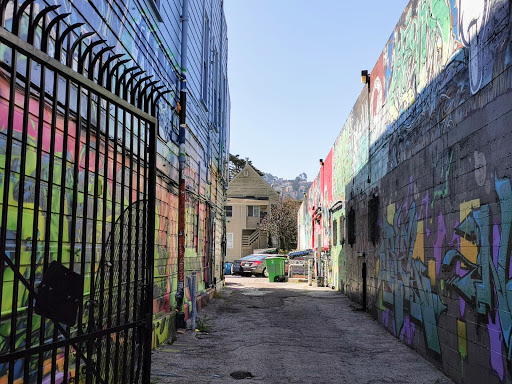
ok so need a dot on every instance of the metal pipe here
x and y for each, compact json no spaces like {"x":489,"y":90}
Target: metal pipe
{"x":363,"y":273}
{"x":369,"y":180}
{"x":182,"y":162}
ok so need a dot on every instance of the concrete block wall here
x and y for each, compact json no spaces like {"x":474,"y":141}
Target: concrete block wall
{"x":439,"y":165}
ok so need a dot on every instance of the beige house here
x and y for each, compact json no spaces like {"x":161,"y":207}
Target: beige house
{"x":249,"y":200}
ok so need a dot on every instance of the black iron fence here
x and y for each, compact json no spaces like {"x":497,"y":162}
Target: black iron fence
{"x":77,"y":183}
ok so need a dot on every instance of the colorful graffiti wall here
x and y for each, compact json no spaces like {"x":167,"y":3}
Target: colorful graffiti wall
{"x":153,"y":44}
{"x":428,"y":181}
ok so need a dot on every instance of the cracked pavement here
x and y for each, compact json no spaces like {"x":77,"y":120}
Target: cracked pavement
{"x":288,"y":333}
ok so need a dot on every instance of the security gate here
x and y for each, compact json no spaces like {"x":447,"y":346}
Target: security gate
{"x":77,"y":189}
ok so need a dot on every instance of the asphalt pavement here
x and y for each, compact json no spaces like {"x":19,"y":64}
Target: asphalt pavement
{"x":287,"y":333}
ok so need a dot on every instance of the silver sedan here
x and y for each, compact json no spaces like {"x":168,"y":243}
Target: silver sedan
{"x":251,"y":265}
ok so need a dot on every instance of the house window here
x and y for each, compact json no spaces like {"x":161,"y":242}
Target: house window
{"x":229,"y":240}
{"x":334,"y":233}
{"x":206,"y":56}
{"x":229,"y":211}
{"x":254,"y":211}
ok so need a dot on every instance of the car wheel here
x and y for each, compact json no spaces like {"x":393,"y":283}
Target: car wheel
{"x":265,"y":273}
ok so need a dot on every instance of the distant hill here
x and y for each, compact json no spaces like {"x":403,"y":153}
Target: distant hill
{"x":287,"y":188}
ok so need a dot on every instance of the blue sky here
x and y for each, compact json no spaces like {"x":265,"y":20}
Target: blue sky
{"x":294,"y":74}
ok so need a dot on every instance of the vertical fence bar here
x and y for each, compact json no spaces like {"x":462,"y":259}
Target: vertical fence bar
{"x":74,"y":200}
{"x":7,"y":177}
{"x":49,"y":204}
{"x":103,"y":263}
{"x":123,"y":269}
{"x":150,"y":234}
{"x":85,"y":218}
{"x":37,"y":193}
{"x":42,"y":321}
{"x":112,"y":266}
{"x":120,"y":226}
{"x":135,"y":242}
{"x":21,"y":190}
{"x":62,"y":207}
{"x":93,"y":305}
{"x":128,"y":241}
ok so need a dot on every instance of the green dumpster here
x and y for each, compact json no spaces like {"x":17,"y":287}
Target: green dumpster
{"x":275,"y":268}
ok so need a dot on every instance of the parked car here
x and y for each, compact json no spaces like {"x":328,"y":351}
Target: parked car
{"x":266,"y":251}
{"x":251,"y":265}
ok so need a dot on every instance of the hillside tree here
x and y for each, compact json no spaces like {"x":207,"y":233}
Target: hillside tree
{"x":236,"y":164}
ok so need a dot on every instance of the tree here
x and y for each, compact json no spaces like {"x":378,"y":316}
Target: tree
{"x":236,"y":164}
{"x":296,"y":183}
{"x":281,"y":223}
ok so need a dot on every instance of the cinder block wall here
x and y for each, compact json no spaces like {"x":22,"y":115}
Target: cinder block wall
{"x":428,"y":179}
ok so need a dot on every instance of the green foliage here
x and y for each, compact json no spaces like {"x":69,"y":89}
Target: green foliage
{"x":236,"y":164}
{"x":202,"y":324}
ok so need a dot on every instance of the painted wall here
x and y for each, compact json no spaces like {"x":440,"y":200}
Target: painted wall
{"x":132,"y":29}
{"x":436,"y":153}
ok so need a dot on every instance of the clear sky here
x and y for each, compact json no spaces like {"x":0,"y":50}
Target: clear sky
{"x":294,"y":71}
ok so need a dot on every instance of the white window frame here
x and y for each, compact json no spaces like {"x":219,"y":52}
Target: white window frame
{"x":255,"y":211}
{"x":205,"y":60}
{"x":229,"y":240}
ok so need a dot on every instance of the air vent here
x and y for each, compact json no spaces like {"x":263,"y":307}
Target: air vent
{"x":246,"y":173}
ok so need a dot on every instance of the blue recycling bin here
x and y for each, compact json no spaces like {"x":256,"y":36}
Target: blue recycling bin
{"x":228,"y":268}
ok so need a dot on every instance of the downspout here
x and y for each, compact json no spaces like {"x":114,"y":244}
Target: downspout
{"x":182,"y":163}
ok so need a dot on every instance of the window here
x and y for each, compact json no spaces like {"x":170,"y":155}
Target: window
{"x":342,"y":230}
{"x":373,"y":216}
{"x":229,"y":240}
{"x":254,"y":211}
{"x":215,"y":87}
{"x":229,"y":211}
{"x":334,"y":233}
{"x":351,"y":226}
{"x":206,"y":57}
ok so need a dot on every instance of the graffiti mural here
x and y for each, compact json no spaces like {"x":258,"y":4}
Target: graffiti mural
{"x":148,"y":38}
{"x":404,"y":283}
{"x":485,"y":283}
{"x":434,"y":152}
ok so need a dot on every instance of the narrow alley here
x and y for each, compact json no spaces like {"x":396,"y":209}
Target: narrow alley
{"x":287,"y":333}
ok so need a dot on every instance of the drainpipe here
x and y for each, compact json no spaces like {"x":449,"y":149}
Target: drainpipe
{"x":182,"y":163}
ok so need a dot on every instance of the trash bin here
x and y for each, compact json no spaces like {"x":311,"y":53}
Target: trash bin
{"x":228,"y":267}
{"x":275,"y":268}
